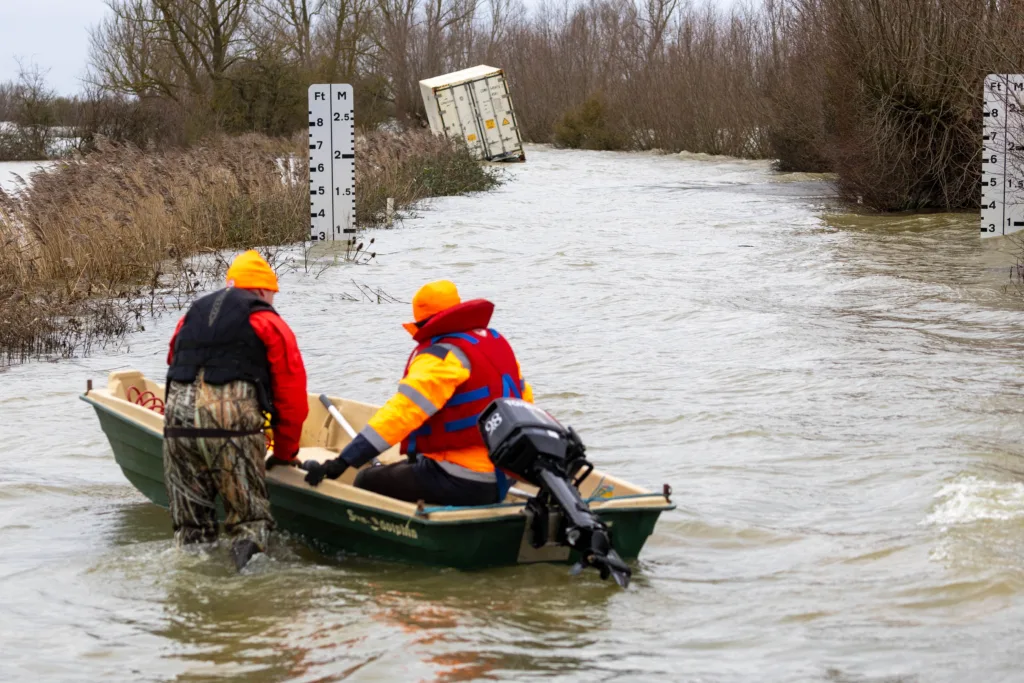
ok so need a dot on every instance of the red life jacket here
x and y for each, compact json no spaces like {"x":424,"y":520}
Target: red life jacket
{"x":494,"y":373}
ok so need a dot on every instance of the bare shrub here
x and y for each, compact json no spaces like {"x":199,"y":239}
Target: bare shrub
{"x":905,"y":82}
{"x":886,"y":93}
{"x":29,"y":134}
{"x":409,"y":167}
{"x":587,"y":127}
{"x":793,"y":105}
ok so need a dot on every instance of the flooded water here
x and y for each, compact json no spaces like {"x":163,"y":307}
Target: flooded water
{"x":836,"y":401}
{"x":13,"y":173}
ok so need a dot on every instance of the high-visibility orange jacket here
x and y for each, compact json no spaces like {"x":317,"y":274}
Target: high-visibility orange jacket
{"x":445,"y":366}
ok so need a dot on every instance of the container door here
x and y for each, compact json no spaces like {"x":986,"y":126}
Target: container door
{"x":459,"y":118}
{"x":497,"y":119}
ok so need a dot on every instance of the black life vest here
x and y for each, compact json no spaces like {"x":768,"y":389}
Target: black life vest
{"x":217,"y":337}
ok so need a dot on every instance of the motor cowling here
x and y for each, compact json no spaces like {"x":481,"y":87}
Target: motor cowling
{"x":524,"y":439}
{"x":530,"y":444}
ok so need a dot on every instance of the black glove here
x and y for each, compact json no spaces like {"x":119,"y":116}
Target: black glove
{"x":273,"y":461}
{"x":332,"y":469}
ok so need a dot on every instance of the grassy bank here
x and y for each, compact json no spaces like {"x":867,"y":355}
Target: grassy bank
{"x":89,"y":245}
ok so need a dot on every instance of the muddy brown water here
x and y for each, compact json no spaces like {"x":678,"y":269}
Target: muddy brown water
{"x":835,"y":399}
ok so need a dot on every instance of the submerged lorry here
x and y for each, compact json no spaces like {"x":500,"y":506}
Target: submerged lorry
{"x":474,"y":105}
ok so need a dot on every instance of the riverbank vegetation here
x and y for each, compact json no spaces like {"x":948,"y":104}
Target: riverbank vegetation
{"x":176,"y":142}
{"x":886,"y":94}
{"x":89,"y":246}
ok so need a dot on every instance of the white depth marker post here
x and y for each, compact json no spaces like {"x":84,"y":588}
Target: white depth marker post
{"x":1002,"y":162}
{"x":332,"y":162}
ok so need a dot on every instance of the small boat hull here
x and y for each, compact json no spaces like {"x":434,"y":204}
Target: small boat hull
{"x":337,"y":517}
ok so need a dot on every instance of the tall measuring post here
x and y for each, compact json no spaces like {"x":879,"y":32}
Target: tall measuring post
{"x":1002,"y":163}
{"x":332,"y":162}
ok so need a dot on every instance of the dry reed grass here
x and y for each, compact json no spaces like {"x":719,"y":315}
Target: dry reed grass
{"x":85,"y":240}
{"x":86,"y":246}
{"x":409,"y":167}
{"x":111,"y":215}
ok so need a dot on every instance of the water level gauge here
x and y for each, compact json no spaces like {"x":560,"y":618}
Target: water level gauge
{"x":1002,"y":161}
{"x":332,"y":169}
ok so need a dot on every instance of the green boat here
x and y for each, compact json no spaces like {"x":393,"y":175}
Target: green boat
{"x":335,"y":516}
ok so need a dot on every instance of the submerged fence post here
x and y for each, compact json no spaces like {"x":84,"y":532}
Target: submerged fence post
{"x":389,"y":213}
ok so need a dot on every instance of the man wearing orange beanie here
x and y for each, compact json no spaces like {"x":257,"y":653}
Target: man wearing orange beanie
{"x":233,"y":361}
{"x":458,"y":367}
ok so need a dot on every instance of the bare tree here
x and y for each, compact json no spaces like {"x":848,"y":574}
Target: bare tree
{"x":31,"y":110}
{"x":394,"y":40}
{"x":6,"y":102}
{"x":343,"y":37}
{"x":204,"y":34}
{"x":502,"y":15}
{"x":129,"y":53}
{"x":447,"y":28}
{"x":659,"y":14}
{"x":292,"y":21}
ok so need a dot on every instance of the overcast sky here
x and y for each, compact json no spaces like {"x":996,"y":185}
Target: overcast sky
{"x":54,"y":34}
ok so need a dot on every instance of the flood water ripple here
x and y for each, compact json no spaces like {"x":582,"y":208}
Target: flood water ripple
{"x":835,"y":399}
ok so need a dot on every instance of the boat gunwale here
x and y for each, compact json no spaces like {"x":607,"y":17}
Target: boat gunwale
{"x":428,"y":519}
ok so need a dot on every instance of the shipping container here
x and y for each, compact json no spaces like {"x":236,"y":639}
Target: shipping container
{"x":474,"y":105}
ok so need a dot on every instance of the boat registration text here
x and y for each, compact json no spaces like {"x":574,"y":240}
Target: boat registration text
{"x":382,"y":525}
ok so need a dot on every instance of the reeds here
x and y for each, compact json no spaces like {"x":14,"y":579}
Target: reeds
{"x":86,"y":246}
{"x":410,"y":167}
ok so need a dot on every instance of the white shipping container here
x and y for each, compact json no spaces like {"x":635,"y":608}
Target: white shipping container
{"x":474,"y":105}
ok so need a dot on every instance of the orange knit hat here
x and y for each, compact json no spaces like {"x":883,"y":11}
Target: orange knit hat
{"x":432,"y":298}
{"x":251,"y":271}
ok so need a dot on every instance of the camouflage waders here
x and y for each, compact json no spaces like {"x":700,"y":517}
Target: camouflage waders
{"x":214,"y":443}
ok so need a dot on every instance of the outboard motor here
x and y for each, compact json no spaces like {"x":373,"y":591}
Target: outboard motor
{"x":532,"y":445}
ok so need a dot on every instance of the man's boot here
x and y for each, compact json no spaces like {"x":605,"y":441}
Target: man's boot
{"x":242,"y":551}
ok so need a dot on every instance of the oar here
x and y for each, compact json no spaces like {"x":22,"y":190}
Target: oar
{"x":340,"y":419}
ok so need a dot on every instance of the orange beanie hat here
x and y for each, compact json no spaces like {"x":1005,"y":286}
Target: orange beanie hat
{"x":432,"y":298}
{"x":251,"y":271}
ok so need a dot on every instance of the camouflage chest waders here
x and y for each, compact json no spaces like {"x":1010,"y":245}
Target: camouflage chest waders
{"x":214,"y":444}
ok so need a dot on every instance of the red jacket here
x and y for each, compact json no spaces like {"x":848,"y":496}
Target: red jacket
{"x":287,"y":378}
